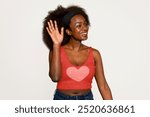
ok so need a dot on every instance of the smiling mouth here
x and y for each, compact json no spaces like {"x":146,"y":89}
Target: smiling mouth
{"x":84,"y":34}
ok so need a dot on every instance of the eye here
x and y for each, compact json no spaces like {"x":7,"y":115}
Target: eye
{"x":78,"y":26}
{"x":85,"y":24}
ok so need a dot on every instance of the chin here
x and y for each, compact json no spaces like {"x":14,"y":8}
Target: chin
{"x":83,"y":39}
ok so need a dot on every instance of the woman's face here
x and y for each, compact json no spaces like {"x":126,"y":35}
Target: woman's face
{"x":79,"y":28}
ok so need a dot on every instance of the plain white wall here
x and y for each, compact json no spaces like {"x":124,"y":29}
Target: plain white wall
{"x":120,"y":30}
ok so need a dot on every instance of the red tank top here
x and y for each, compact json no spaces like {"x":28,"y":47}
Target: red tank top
{"x":76,"y":77}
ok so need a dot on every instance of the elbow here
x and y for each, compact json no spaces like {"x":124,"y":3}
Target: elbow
{"x":55,"y":78}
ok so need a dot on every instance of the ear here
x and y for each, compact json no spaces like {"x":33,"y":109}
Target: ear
{"x":68,"y":32}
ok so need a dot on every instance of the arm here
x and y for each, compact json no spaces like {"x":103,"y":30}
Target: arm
{"x":100,"y":78}
{"x":54,"y":55}
{"x":54,"y":64}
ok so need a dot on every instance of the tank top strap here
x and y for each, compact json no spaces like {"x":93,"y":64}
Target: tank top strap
{"x":90,"y":51}
{"x":91,"y":57}
{"x":63,"y":55}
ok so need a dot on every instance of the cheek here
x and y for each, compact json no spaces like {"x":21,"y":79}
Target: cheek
{"x":78,"y":31}
{"x":75,"y":32}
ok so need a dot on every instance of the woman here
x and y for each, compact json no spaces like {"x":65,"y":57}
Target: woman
{"x":72,"y":64}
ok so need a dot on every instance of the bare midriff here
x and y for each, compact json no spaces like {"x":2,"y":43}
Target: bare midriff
{"x":74,"y":92}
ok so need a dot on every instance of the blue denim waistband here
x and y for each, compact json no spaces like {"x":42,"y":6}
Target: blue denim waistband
{"x":60,"y":96}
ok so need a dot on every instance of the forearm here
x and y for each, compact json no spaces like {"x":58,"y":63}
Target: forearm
{"x":55,"y":64}
{"x":106,"y":93}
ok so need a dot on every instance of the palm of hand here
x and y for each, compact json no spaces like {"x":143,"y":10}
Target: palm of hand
{"x":52,"y":29}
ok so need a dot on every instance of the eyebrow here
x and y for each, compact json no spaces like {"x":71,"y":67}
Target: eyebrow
{"x":81,"y":22}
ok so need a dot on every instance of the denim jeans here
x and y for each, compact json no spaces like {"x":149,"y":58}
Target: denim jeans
{"x":60,"y":96}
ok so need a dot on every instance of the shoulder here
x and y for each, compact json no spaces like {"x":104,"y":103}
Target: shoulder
{"x":96,"y":55}
{"x":95,"y":52}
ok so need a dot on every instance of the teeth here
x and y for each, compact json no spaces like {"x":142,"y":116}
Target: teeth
{"x":84,"y":33}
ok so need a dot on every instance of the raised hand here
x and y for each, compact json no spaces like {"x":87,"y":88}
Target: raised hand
{"x":52,"y":29}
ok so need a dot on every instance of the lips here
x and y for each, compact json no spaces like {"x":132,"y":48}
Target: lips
{"x":84,"y":34}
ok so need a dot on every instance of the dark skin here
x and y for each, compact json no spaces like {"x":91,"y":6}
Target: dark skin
{"x":77,"y":54}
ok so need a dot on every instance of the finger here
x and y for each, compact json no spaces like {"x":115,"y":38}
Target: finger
{"x":48,"y":30}
{"x":62,"y":31}
{"x":56,"y":25}
{"x":50,"y":27}
{"x":51,"y":24}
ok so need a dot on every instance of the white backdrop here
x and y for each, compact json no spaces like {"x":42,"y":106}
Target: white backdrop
{"x":120,"y":30}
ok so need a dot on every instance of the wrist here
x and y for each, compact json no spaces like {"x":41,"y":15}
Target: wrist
{"x":56,"y":45}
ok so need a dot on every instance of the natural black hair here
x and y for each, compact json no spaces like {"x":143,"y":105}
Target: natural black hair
{"x":58,"y":14}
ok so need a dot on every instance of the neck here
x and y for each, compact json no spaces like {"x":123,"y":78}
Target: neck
{"x":75,"y":44}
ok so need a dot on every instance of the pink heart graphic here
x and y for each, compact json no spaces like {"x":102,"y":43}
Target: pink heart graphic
{"x":77,"y":74}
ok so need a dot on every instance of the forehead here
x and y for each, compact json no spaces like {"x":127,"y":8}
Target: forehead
{"x":77,"y":18}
